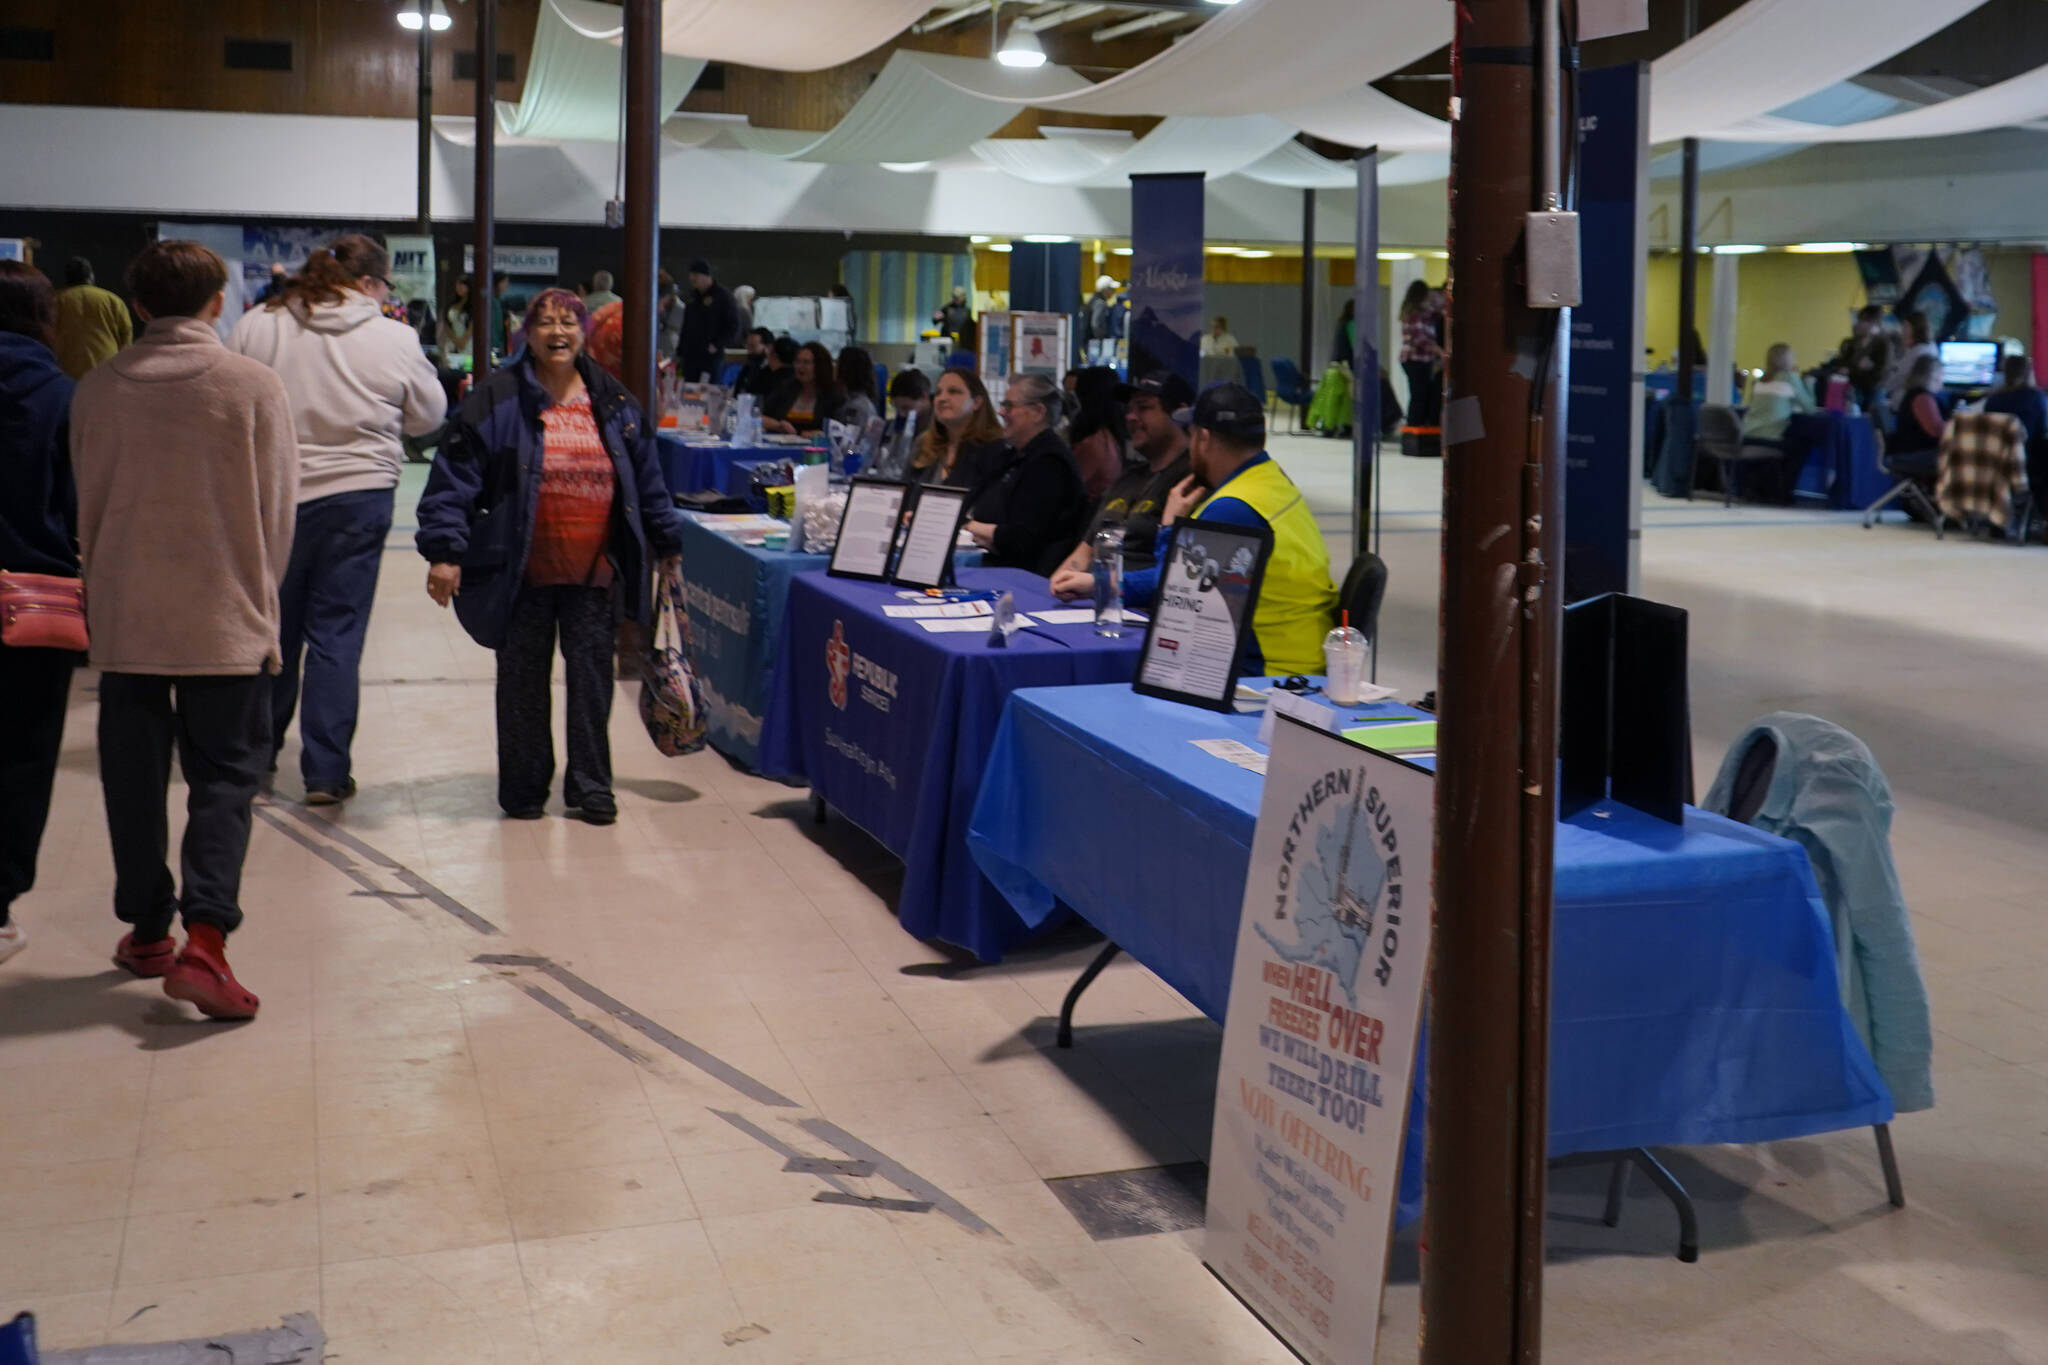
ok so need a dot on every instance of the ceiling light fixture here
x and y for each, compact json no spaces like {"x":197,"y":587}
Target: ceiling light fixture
{"x":978,"y":241}
{"x":1824,"y":248}
{"x":1046,"y":238}
{"x":1119,"y":251}
{"x":437,"y":18}
{"x":1021,"y":48}
{"x":1003,"y":247}
{"x":1253,"y":255}
{"x":1738,"y":249}
{"x":1397,"y":255}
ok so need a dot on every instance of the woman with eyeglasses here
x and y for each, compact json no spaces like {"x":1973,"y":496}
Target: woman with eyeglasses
{"x":1028,"y":504}
{"x":359,"y":384}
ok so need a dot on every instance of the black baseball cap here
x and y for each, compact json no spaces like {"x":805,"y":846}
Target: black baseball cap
{"x":1173,"y":392}
{"x":1231,"y":410}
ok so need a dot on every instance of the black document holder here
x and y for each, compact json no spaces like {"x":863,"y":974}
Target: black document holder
{"x":1624,"y":709}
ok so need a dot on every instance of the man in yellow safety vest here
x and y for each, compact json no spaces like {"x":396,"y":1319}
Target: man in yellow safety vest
{"x":1236,"y":482}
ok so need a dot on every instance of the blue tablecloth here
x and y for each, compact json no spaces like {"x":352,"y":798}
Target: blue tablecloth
{"x":736,"y":594}
{"x":1694,"y":994}
{"x":891,"y":725}
{"x":1841,"y":464}
{"x":691,"y":468}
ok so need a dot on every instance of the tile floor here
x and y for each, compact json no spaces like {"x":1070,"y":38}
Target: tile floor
{"x":423,"y":1150}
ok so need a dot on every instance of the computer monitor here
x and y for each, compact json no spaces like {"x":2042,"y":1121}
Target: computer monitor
{"x":1969,"y":364}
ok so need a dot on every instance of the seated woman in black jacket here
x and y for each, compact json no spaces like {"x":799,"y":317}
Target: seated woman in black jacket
{"x":1028,"y":504}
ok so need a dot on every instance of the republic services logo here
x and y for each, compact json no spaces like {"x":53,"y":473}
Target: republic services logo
{"x":838,"y":663}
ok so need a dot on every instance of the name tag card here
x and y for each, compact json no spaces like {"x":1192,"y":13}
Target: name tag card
{"x":1208,"y":589}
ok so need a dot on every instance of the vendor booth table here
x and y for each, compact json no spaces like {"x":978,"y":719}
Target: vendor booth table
{"x":1841,"y":464}
{"x":1694,"y":995}
{"x":736,"y":593}
{"x":891,"y":725}
{"x":698,"y":466}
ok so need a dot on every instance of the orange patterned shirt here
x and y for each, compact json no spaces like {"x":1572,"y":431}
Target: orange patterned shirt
{"x":572,"y":524}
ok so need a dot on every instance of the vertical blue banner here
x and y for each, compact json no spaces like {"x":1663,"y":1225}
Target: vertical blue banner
{"x":1603,"y":488}
{"x":1166,"y":275}
{"x":1045,"y":277}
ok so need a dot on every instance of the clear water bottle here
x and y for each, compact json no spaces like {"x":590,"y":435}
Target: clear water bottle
{"x":1109,"y":581}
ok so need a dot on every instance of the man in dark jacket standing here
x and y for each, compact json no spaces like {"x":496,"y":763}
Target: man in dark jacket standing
{"x":710,"y":322}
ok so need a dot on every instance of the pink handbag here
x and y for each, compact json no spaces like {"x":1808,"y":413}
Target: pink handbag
{"x":42,"y":611}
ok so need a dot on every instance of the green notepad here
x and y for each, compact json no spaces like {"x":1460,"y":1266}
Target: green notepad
{"x":1401,"y":737}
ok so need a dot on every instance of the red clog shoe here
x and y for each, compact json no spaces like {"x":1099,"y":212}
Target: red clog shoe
{"x":146,"y":960}
{"x":201,"y":978}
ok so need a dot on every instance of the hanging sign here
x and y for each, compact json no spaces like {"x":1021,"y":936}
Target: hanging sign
{"x":516,"y":260}
{"x":1319,"y":1041}
{"x":1166,"y":323}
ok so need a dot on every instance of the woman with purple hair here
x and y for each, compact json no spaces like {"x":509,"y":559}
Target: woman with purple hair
{"x":542,"y":519}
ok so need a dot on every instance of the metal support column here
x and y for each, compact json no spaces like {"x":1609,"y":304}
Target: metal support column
{"x":1689,"y":358}
{"x":483,"y":207}
{"x":1365,"y":358}
{"x":425,"y":195}
{"x":1307,"y":352}
{"x":1503,"y":462}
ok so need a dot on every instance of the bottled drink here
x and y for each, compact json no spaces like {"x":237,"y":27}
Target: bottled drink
{"x":1109,"y":581}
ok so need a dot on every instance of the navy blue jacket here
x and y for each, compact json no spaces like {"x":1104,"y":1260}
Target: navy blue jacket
{"x":38,"y":502}
{"x":478,"y":509}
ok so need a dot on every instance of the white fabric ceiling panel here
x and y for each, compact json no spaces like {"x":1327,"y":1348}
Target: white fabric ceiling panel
{"x":1215,"y":147}
{"x":1261,"y":55}
{"x":1771,"y":52}
{"x":2017,"y":101}
{"x":920,"y":109}
{"x":1365,"y":117}
{"x":572,"y":78}
{"x":784,"y":35}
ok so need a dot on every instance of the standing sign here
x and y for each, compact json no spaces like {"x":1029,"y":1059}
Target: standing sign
{"x":1208,"y":590}
{"x":1166,"y":275}
{"x":1319,"y":1041}
{"x":1603,"y":487}
{"x":1039,"y":344}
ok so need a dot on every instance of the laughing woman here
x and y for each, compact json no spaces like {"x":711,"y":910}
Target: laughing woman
{"x":545,"y":509}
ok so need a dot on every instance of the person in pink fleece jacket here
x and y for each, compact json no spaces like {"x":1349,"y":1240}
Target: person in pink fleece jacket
{"x":187,"y":480}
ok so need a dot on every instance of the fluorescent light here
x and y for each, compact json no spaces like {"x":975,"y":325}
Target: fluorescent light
{"x":1253,"y":255}
{"x":1021,"y":48}
{"x":1046,"y":238}
{"x":1397,"y":255}
{"x":978,"y":241}
{"x":1738,"y":249}
{"x":1119,"y":251}
{"x":1222,"y":2}
{"x":437,"y":17}
{"x":1222,"y":250}
{"x":1824,"y":248}
{"x":1003,"y":247}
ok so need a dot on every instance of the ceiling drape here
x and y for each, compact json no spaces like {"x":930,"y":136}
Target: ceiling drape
{"x":572,"y":78}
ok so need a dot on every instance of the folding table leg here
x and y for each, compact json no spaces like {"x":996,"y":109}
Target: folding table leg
{"x":1688,"y":1218}
{"x":1894,"y":1188}
{"x":1617,"y":1190}
{"x":1088,"y":975}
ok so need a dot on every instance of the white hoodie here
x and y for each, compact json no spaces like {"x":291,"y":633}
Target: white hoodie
{"x":356,"y":380}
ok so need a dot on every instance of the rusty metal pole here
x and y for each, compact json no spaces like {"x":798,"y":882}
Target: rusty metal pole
{"x":643,"y":196}
{"x":483,"y":207}
{"x":1503,"y":521}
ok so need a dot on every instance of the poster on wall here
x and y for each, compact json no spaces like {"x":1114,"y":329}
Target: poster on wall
{"x":1040,"y":344}
{"x":1319,"y":1041}
{"x":1166,"y":322}
{"x":993,"y":356}
{"x":13,"y":248}
{"x":1603,"y":452}
{"x":412,"y":280}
